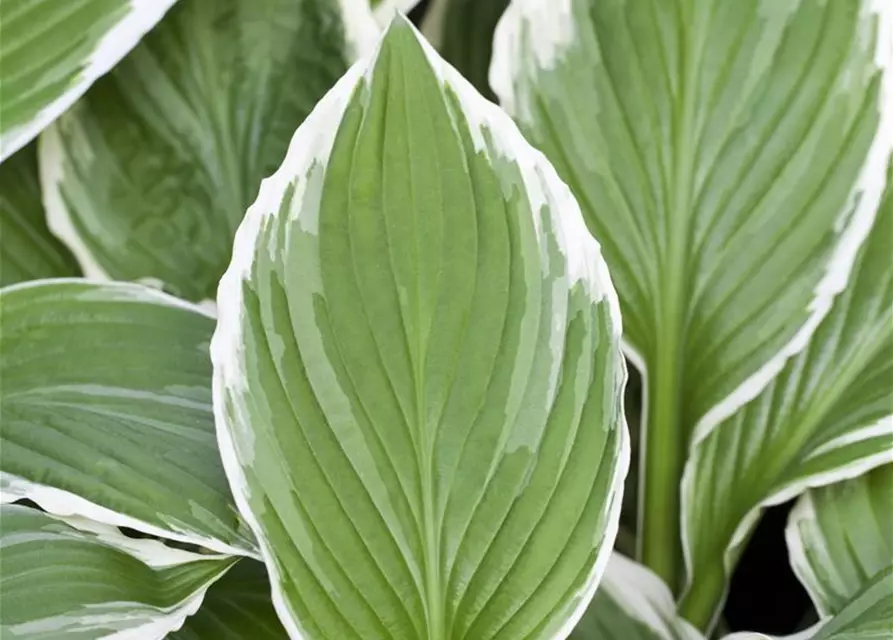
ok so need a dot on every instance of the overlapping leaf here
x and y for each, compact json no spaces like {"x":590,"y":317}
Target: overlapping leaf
{"x":150,"y":174}
{"x":27,"y":248}
{"x":841,"y":535}
{"x":632,"y":604}
{"x":58,"y":581}
{"x":868,"y":615}
{"x":105,"y":410}
{"x":715,"y":147}
{"x":827,"y":416}
{"x":51,"y":52}
{"x":417,"y":369}
{"x":236,"y":607}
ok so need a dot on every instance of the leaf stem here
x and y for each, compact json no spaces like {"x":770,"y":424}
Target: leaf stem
{"x":665,"y":431}
{"x":700,"y":605}
{"x":664,"y":457}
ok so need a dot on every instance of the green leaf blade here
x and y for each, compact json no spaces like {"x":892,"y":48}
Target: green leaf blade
{"x":744,"y":96}
{"x":730,"y":156}
{"x":826,"y":417}
{"x":53,"y":52}
{"x":28,"y":250}
{"x":106,"y":410}
{"x":59,"y":581}
{"x":210,"y":98}
{"x":236,"y":607}
{"x":840,"y":536}
{"x":414,"y":321}
{"x":868,"y":615}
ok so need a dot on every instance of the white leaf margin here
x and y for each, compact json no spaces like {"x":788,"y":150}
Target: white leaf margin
{"x":113,"y":46}
{"x":553,"y":31}
{"x":153,"y":554}
{"x":312,"y":145}
{"x":361,"y":31}
{"x":852,"y":228}
{"x":643,"y":596}
{"x":803,"y":513}
{"x":782,"y":495}
{"x":866,"y":199}
{"x":65,"y":505}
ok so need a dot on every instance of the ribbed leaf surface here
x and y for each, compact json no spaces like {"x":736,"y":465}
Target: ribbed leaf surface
{"x":418,"y":374}
{"x":841,"y":535}
{"x":51,"y":52}
{"x":150,"y":174}
{"x":105,"y":410}
{"x":59,"y":582}
{"x":730,"y":156}
{"x":827,"y":416}
{"x":28,"y":250}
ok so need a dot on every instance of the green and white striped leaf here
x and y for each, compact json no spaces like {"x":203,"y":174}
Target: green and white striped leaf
{"x":632,"y":603}
{"x":105,"y":411}
{"x":841,"y":535}
{"x":28,"y":250}
{"x":51,"y":52}
{"x":729,"y":156}
{"x":417,"y":369}
{"x":690,"y":128}
{"x":236,"y":607}
{"x":827,"y":416}
{"x":868,"y":616}
{"x":58,"y":581}
{"x":149,"y":175}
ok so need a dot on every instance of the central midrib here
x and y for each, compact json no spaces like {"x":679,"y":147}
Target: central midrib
{"x":668,"y":435}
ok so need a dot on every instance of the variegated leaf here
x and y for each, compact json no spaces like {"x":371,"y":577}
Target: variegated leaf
{"x":418,"y":374}
{"x":105,"y":410}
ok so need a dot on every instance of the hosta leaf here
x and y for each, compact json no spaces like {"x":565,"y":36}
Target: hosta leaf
{"x":632,"y":604}
{"x":715,"y":147}
{"x":827,"y":416}
{"x":28,"y":250}
{"x":236,"y":607}
{"x":868,"y":616}
{"x":417,"y":369}
{"x":150,"y":174}
{"x":105,"y":410}
{"x":841,"y":535}
{"x":51,"y":52}
{"x":58,"y":581}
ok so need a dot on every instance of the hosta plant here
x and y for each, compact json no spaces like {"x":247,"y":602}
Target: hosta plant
{"x":301,"y":336}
